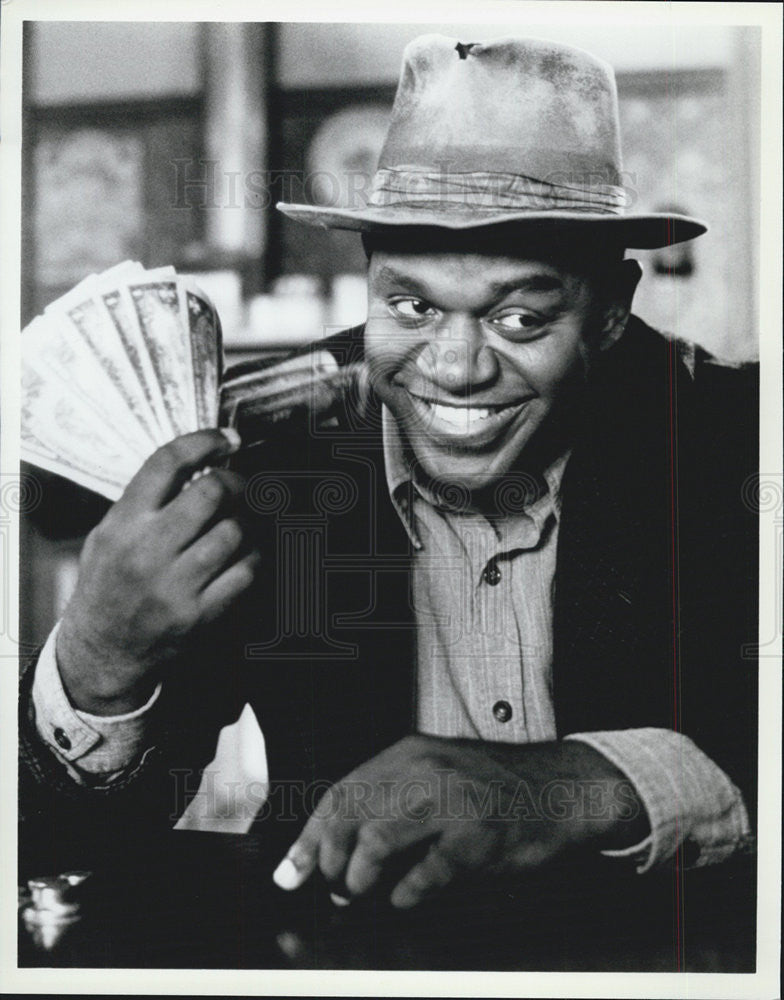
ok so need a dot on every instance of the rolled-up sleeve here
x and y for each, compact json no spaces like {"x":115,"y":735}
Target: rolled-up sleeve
{"x":690,"y":801}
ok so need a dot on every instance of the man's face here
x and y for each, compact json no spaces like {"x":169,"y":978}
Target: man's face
{"x":474,"y":354}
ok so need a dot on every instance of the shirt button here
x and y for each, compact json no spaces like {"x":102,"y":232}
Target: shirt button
{"x":492,"y":574}
{"x":502,"y":710}
{"x":61,"y":739}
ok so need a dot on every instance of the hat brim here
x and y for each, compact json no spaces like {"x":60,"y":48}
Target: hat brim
{"x":642,"y":232}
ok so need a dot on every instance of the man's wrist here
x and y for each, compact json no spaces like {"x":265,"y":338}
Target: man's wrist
{"x":578,"y":785}
{"x":611,"y":811}
{"x":89,"y":679}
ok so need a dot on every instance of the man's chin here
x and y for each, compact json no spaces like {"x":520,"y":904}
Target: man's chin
{"x":449,"y":476}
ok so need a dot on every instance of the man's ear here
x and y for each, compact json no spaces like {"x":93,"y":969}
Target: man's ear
{"x":622,"y":286}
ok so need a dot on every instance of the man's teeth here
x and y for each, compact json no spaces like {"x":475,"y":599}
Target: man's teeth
{"x":460,"y":416}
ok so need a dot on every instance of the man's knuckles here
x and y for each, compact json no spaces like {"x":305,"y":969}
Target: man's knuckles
{"x":208,"y":492}
{"x":244,"y":572}
{"x":168,"y":464}
{"x":227,"y":536}
{"x":436,"y":871}
{"x":221,"y":542}
{"x":168,"y":611}
{"x":108,"y":559}
{"x":377,"y":840}
{"x":333,"y":858}
{"x":164,"y":473}
{"x":212,"y":493}
{"x":181,"y":455}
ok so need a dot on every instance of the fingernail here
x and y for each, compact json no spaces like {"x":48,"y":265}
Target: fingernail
{"x":231,"y":435}
{"x":287,"y":876}
{"x":339,"y":900}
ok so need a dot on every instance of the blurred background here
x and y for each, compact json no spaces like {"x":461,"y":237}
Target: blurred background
{"x":169,"y":143}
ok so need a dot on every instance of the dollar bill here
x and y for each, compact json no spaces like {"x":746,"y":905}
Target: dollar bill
{"x":60,"y":435}
{"x":204,"y":331}
{"x":157,"y":310}
{"x":121,"y":364}
{"x":54,"y":348}
{"x":121,"y":312}
{"x":90,"y":319}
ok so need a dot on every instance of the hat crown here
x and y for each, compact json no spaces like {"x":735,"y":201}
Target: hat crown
{"x":516,"y":131}
{"x":517,"y":106}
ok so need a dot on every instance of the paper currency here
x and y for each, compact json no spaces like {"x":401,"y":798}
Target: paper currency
{"x":121,"y":364}
{"x":129,"y":359}
{"x":206,"y":348}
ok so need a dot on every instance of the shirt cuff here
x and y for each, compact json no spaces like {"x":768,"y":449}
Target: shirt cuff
{"x":104,"y":745}
{"x":690,"y":801}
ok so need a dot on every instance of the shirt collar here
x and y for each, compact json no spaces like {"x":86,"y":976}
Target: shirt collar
{"x":401,"y":485}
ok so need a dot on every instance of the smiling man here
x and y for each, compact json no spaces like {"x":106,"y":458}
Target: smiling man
{"x":499,"y":302}
{"x":479,"y":353}
{"x":545,"y":494}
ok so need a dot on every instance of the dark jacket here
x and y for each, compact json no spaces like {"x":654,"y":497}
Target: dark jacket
{"x":655,"y":615}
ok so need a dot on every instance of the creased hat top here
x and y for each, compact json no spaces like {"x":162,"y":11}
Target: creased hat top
{"x":510,"y":130}
{"x":530,"y":108}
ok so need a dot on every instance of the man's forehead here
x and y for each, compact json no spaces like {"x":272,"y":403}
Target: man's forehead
{"x":519,"y":251}
{"x":494,"y":272}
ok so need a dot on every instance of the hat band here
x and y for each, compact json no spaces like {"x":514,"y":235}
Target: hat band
{"x":417,"y":187}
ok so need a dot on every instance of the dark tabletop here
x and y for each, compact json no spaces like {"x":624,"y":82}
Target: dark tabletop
{"x":198,"y":900}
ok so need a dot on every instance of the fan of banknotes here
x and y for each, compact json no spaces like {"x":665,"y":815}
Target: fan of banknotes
{"x":118,"y":366}
{"x":130,"y":359}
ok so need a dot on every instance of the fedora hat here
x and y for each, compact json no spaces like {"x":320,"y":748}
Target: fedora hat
{"x":511,"y":131}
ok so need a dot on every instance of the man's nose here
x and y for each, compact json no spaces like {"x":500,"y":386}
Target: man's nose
{"x":458,"y":359}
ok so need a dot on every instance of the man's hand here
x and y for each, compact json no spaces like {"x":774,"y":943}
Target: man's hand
{"x":429,"y":811}
{"x":163,"y":561}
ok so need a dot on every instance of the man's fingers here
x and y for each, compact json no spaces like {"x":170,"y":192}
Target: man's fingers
{"x":291,"y":875}
{"x":299,"y":863}
{"x":350,"y":853}
{"x":449,"y":857}
{"x":167,"y":470}
{"x":303,"y":856}
{"x":200,"y":504}
{"x":209,"y":555}
{"x":427,"y":877}
{"x":335,"y":851}
{"x":367,"y":863}
{"x":378,"y":843}
{"x":219,"y":595}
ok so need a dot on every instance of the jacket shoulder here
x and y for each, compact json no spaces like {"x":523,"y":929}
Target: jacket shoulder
{"x":717,"y":387}
{"x":703,"y":366}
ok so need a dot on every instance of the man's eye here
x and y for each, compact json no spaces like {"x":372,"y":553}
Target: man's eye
{"x":517,"y":323}
{"x":411,"y":309}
